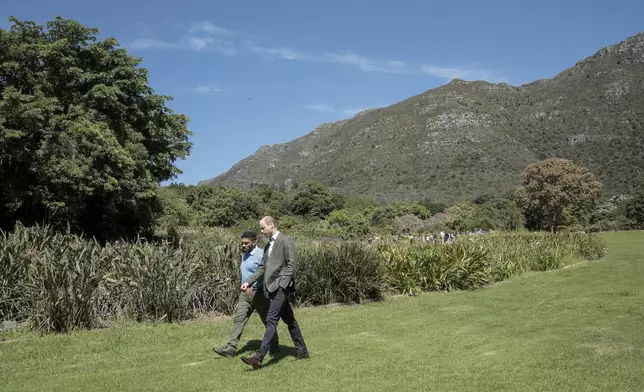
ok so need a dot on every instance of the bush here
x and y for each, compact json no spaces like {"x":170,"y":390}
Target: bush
{"x":155,"y":281}
{"x":635,"y":210}
{"x":412,"y":269}
{"x":50,"y":278}
{"x":475,"y":261}
{"x":337,"y":272}
{"x":351,"y":226}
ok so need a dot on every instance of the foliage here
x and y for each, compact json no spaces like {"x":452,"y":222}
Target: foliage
{"x":219,"y":206}
{"x":474,"y":261}
{"x":435,"y":268}
{"x":635,"y":210}
{"x":52,"y":279}
{"x":175,"y":210}
{"x":154,"y":281}
{"x":276,"y":203}
{"x":503,"y":214}
{"x":84,"y":141}
{"x":488,"y":213}
{"x":483,"y":198}
{"x":338,"y":272}
{"x":386,"y":217}
{"x":60,"y":282}
{"x":315,"y":201}
{"x":352,"y":225}
{"x":461,"y":217}
{"x":402,"y":209}
{"x":434,"y":208}
{"x":410,"y":224}
{"x":558,"y":190}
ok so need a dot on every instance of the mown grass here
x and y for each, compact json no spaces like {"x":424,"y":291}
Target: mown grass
{"x":577,"y":329}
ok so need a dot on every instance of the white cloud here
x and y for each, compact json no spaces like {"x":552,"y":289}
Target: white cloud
{"x":206,"y":37}
{"x":361,"y":62}
{"x":198,"y":43}
{"x":208,"y":28}
{"x":203,"y":37}
{"x":209,"y":88}
{"x":365,"y":63}
{"x":192,"y":43}
{"x":282,"y":53}
{"x":320,"y":107}
{"x":146,"y":43}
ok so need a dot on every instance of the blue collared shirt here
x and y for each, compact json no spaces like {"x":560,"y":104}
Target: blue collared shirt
{"x":249,"y":264}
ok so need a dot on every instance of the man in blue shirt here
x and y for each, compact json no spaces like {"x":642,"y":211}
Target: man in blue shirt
{"x":252,"y":299}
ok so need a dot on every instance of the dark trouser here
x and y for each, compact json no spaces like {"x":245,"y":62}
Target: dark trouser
{"x":245,"y":306}
{"x":280,"y":308}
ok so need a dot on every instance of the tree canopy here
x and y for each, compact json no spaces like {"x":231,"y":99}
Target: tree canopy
{"x":84,"y":140}
{"x":315,"y":201}
{"x":557,"y":190}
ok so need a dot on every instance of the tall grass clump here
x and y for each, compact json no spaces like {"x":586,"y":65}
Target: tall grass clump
{"x":337,"y":272}
{"x":17,"y":249}
{"x":411,"y":269}
{"x":217,"y":279}
{"x":55,"y":275}
{"x":153,"y":281}
{"x":514,"y":253}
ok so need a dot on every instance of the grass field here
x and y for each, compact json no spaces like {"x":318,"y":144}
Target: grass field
{"x":578,"y":329}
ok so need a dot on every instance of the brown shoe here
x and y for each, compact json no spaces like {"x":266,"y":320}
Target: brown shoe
{"x":252,"y":361}
{"x":304,"y":355}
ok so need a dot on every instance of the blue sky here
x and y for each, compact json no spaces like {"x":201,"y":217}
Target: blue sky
{"x":251,"y":73}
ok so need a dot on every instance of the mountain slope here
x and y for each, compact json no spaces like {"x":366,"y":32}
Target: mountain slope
{"x":467,"y":138}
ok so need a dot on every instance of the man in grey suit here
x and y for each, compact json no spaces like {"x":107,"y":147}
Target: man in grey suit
{"x":277,"y":270}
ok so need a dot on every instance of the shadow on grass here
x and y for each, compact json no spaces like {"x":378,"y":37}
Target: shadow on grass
{"x":252,"y":346}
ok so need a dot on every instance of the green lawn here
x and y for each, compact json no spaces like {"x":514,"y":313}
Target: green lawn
{"x":578,"y":329}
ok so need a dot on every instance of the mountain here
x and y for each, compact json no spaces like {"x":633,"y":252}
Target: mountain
{"x":468,"y":138}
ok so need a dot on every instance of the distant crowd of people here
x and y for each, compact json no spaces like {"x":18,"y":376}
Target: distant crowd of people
{"x":432,"y":238}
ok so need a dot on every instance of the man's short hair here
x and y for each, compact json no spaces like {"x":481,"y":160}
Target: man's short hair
{"x":251,"y":235}
{"x":269,"y":220}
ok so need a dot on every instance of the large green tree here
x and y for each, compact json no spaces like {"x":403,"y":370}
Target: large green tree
{"x":556,"y":191}
{"x":221,"y":206}
{"x":84,"y":140}
{"x":316,"y":201}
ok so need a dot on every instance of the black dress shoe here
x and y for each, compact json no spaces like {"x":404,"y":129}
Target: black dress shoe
{"x":304,"y":355}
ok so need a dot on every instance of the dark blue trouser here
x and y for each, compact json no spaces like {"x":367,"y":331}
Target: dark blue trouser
{"x":280,"y":307}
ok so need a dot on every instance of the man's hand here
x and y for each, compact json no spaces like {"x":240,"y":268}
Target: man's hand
{"x":244,"y":287}
{"x":249,"y":291}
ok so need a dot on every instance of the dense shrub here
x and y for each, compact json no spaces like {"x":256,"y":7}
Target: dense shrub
{"x":52,"y":279}
{"x":337,"y":272}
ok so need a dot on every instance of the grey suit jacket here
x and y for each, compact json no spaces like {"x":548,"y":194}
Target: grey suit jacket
{"x":278,"y":270}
